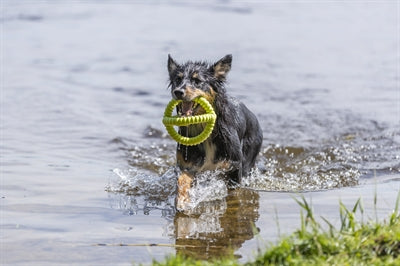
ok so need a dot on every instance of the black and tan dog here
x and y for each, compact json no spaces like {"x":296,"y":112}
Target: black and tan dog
{"x":237,"y":137}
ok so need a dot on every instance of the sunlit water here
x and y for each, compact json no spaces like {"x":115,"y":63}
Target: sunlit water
{"x":84,"y":156}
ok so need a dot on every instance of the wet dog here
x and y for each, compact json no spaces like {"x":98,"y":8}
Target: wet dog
{"x":237,"y":137}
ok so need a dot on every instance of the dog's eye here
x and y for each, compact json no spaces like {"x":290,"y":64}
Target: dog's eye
{"x":178,"y":80}
{"x":196,"y":81}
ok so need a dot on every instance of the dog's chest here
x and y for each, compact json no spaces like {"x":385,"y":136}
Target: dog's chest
{"x":209,"y":156}
{"x":207,"y":151}
{"x":209,"y":148}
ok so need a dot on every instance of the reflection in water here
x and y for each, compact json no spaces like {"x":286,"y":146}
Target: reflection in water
{"x":217,"y":228}
{"x":316,"y":154}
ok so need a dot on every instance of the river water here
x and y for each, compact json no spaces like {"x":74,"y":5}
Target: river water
{"x":86,"y":164}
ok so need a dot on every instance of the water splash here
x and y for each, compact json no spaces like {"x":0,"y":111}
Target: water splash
{"x":144,"y":191}
{"x":207,"y":187}
{"x":134,"y":191}
{"x":350,"y":150}
{"x":299,"y":169}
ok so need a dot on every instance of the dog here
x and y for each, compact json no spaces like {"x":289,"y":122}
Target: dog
{"x":236,"y":138}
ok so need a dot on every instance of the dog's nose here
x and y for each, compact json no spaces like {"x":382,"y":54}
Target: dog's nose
{"x":179,"y":94}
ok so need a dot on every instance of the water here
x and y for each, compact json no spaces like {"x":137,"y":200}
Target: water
{"x":85,"y":159}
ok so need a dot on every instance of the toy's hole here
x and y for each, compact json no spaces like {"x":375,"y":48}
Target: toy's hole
{"x":171,"y":121}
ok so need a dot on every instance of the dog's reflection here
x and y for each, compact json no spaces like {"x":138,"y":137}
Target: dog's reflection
{"x":218,"y":228}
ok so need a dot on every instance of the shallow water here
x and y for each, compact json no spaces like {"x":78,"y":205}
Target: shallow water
{"x":85,"y":159}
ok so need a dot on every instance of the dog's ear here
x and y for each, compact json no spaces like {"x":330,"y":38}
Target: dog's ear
{"x":221,"y":68}
{"x":172,"y":65}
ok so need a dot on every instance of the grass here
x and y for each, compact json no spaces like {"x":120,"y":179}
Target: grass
{"x":354,"y":242}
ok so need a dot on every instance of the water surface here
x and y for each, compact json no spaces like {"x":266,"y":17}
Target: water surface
{"x":85,"y":159}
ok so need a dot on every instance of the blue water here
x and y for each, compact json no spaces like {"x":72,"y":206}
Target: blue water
{"x":84,"y":155}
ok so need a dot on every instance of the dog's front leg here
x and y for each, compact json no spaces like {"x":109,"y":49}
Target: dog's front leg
{"x":185,"y":180}
{"x":234,"y":151}
{"x":235,"y":175}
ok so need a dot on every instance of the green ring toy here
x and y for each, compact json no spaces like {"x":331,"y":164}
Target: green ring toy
{"x":170,"y":121}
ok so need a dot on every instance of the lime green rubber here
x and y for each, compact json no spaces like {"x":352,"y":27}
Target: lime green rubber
{"x":170,"y":121}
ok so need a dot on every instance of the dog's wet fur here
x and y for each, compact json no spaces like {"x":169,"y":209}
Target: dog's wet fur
{"x":237,"y":137}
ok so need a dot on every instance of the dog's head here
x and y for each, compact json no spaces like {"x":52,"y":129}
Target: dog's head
{"x":195,"y":79}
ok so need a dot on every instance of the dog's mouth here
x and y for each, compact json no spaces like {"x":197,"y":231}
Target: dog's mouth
{"x":188,"y":108}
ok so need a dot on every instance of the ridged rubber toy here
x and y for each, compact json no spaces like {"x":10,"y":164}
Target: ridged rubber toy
{"x":170,"y":121}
